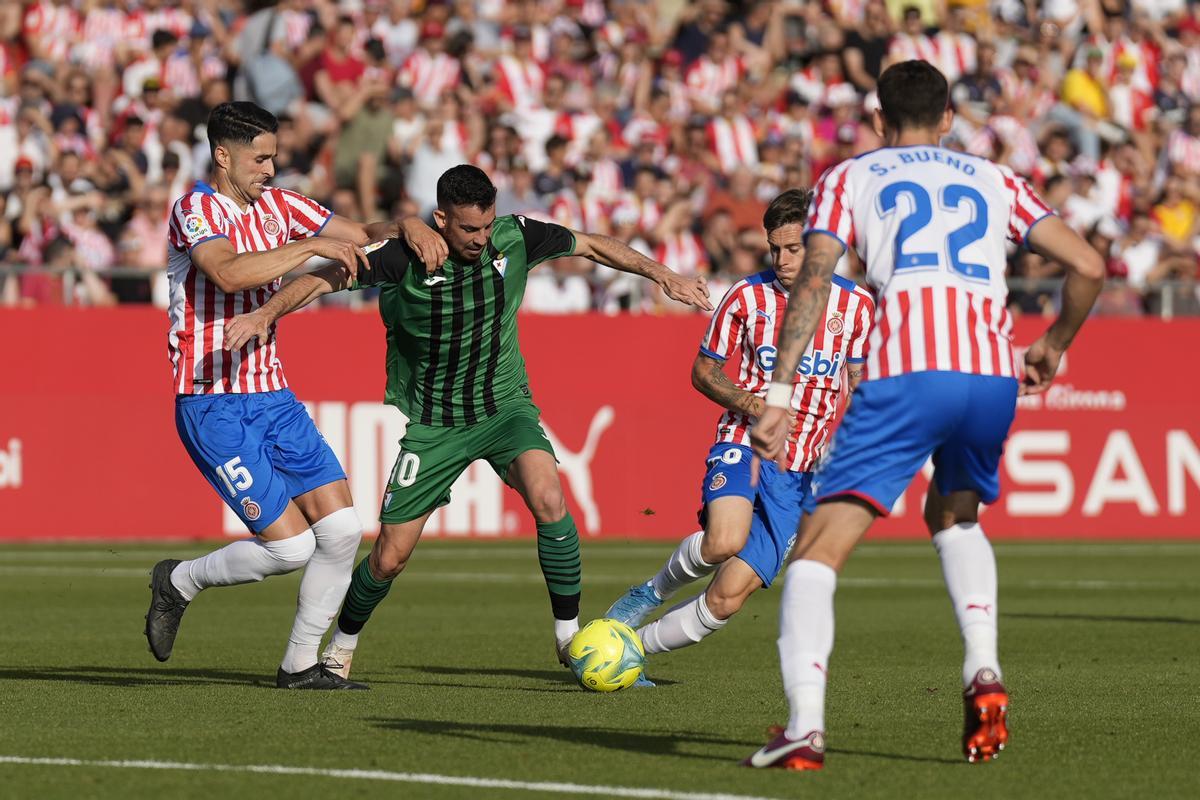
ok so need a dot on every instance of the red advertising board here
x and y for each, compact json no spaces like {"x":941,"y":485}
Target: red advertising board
{"x":88,"y":447}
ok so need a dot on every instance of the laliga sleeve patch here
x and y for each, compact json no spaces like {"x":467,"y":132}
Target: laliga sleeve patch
{"x":196,"y":227}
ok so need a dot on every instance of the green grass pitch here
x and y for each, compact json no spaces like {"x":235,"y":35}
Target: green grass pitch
{"x":1099,"y":641}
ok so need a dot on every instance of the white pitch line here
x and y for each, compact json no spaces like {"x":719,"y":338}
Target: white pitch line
{"x":395,"y":777}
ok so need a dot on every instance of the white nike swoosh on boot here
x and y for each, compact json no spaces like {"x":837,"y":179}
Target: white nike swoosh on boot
{"x":765,"y":757}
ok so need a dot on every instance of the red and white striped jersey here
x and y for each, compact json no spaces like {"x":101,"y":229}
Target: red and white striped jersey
{"x":1183,"y":150}
{"x":734,"y":142}
{"x":199,"y":310}
{"x":103,"y":30}
{"x":931,"y":225}
{"x":707,"y":80}
{"x":429,"y":76}
{"x":744,"y":325}
{"x":53,"y":27}
{"x":520,"y":82}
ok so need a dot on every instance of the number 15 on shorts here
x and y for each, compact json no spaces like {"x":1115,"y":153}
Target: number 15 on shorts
{"x":235,"y":477}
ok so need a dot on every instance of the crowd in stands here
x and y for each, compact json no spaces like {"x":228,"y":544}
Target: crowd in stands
{"x":668,"y":124}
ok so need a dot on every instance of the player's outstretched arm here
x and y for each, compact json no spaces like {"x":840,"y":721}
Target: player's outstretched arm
{"x":235,"y":272}
{"x":427,"y":243}
{"x":806,"y":306}
{"x":296,"y":294}
{"x":616,"y":254}
{"x":710,"y":380}
{"x":1052,"y":239}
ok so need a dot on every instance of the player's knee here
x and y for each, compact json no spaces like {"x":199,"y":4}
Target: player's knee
{"x":292,"y":553}
{"x":720,"y":545}
{"x":385,"y":562}
{"x":723,"y":604}
{"x":338,"y":533}
{"x":547,"y":503}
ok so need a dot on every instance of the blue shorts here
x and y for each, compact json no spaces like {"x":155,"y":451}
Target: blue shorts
{"x":779,"y":500}
{"x":895,"y":424}
{"x":257,"y":450}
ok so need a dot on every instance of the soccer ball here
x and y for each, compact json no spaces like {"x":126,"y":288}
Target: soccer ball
{"x":606,"y":655}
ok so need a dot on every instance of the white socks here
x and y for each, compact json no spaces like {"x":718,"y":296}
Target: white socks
{"x":684,"y":566}
{"x":685,"y":624}
{"x":323,"y":586}
{"x":969,"y":567}
{"x":805,"y":641}
{"x":244,"y":561}
{"x":565,"y":630}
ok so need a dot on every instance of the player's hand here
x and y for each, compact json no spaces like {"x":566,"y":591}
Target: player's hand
{"x":769,"y":433}
{"x":245,"y":327}
{"x":1041,"y":365}
{"x":427,"y":243}
{"x":349,"y":254}
{"x":693,"y":291}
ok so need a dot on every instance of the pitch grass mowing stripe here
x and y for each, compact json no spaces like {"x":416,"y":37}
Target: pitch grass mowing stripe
{"x":383,"y":775}
{"x":592,"y":578}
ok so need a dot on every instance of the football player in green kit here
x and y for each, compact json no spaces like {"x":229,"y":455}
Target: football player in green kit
{"x":455,"y":369}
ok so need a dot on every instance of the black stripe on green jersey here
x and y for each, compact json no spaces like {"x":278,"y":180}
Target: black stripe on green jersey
{"x":493,"y":358}
{"x":476,"y":349}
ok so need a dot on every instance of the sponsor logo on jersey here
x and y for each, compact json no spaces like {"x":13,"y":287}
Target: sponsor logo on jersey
{"x":250,"y":509}
{"x":816,"y":364}
{"x":373,"y":246}
{"x":435,"y":278}
{"x":500,"y":264}
{"x":271,"y":225}
{"x":763,"y":314}
{"x":196,"y":226}
{"x":836,"y":324}
{"x":717,"y":482}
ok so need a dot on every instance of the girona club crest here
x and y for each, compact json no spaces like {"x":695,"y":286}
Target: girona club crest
{"x":251,"y":509}
{"x":271,"y":225}
{"x":836,"y":324}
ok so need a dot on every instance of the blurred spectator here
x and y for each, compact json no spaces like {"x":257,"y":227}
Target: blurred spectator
{"x":666,"y":124}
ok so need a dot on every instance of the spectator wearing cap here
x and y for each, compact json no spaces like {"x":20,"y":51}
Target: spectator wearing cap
{"x":430,"y":72}
{"x":1132,"y":108}
{"x":520,"y":79}
{"x":188,"y":68}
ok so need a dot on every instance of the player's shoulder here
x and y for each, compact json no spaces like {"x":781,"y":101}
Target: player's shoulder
{"x":200,"y":198}
{"x":844,"y":285}
{"x":748,"y":284}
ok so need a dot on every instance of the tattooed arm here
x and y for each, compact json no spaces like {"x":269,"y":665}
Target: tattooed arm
{"x":806,"y":306}
{"x":710,"y":380}
{"x":854,"y":376}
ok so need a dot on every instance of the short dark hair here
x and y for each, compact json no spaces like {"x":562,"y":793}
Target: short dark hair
{"x":913,"y":94}
{"x":240,"y":122}
{"x":465,"y":185}
{"x":789,"y":207}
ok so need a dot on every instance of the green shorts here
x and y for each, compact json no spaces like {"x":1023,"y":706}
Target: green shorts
{"x":433,"y":457}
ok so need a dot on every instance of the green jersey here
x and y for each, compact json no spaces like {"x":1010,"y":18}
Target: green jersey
{"x":452,"y":352}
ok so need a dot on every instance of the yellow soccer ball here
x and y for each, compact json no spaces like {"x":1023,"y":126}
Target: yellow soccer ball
{"x":606,"y":655}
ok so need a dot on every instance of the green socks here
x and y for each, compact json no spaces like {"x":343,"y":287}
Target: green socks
{"x":558,"y":555}
{"x":364,"y":594}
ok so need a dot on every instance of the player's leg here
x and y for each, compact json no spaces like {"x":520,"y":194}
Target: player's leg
{"x":728,"y":506}
{"x":534,"y":474}
{"x":882,"y":442}
{"x":706,"y":613}
{"x":966,"y":473}
{"x":369,"y":585}
{"x":429,"y":462}
{"x":338,"y":531}
{"x":226,"y":438}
